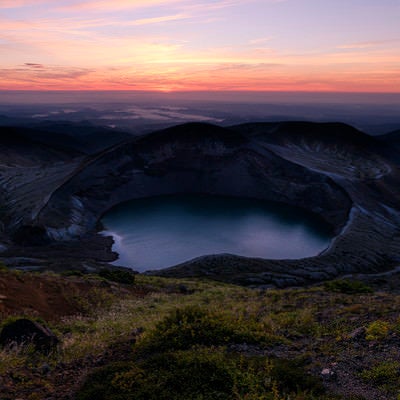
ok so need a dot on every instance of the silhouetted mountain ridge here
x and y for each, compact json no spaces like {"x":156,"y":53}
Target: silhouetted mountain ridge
{"x":34,"y":144}
{"x":82,"y":137}
{"x":328,"y":132}
{"x":391,"y":137}
{"x":194,"y":132}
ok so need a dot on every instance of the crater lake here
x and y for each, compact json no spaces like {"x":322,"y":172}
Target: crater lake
{"x":159,"y":232}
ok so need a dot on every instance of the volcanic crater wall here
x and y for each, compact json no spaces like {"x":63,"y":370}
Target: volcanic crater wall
{"x":349,"y":179}
{"x":210,"y":164}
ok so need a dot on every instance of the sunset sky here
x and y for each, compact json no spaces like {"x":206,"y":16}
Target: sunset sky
{"x":167,"y":45}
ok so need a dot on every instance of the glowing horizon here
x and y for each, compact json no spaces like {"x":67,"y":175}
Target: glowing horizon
{"x":207,"y":45}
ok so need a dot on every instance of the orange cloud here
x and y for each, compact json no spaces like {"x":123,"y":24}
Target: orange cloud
{"x":191,"y":77}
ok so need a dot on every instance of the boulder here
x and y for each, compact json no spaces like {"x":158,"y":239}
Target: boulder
{"x":24,"y":332}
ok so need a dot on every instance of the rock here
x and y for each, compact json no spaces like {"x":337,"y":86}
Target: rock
{"x":137,"y":331}
{"x":24,"y":331}
{"x":45,"y":369}
{"x":357,"y":333}
{"x":135,"y":334}
{"x":328,"y":373}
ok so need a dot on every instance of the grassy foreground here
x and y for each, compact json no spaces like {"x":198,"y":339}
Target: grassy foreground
{"x":161,"y":338}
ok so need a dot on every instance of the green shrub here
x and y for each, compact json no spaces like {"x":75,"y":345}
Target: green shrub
{"x":189,"y":375}
{"x":291,"y":376}
{"x":98,"y":384}
{"x":200,"y":373}
{"x":187,"y":357}
{"x":377,"y":330}
{"x":384,"y":373}
{"x":296,"y":322}
{"x":185,"y":375}
{"x":193,"y":326}
{"x":347,"y":286}
{"x":118,"y":275}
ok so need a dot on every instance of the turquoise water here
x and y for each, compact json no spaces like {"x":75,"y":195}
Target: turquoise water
{"x":159,"y":232}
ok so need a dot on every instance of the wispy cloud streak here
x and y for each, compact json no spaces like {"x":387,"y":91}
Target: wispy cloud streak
{"x":368,"y":45}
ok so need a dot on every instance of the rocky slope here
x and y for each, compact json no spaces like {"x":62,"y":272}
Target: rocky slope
{"x":348,"y":178}
{"x":30,"y":170}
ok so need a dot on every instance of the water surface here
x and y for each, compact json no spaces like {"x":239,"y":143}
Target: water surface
{"x":159,"y":232}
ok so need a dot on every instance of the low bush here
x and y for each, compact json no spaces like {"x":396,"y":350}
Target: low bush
{"x":347,"y":286}
{"x":291,"y":377}
{"x":384,"y":373}
{"x":190,"y":355}
{"x":200,"y":373}
{"x":193,"y":326}
{"x":98,"y":384}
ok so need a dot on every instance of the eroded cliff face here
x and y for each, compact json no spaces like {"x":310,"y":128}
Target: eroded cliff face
{"x":333,"y":170}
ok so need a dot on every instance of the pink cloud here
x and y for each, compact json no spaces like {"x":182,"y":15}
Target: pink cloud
{"x":116,"y":5}
{"x":21,"y":3}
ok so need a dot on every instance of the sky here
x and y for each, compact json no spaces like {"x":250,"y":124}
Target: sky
{"x":205,"y":45}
